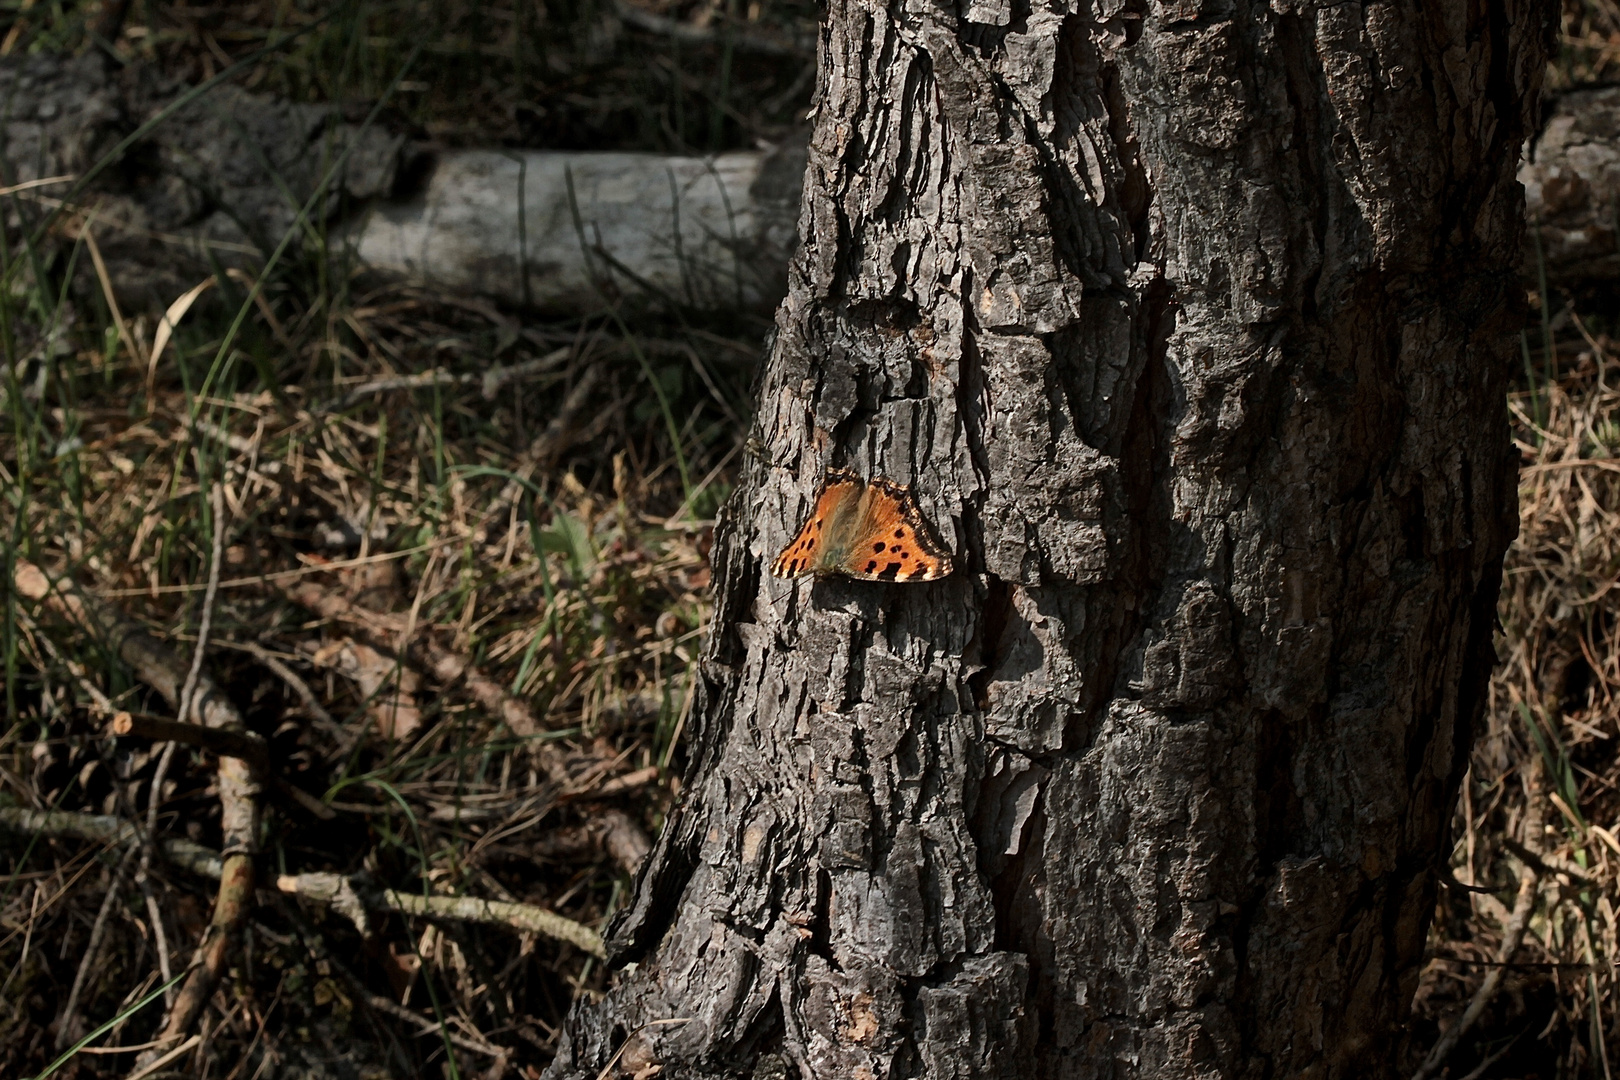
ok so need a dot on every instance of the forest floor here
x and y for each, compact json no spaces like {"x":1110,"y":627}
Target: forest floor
{"x":462,"y":611}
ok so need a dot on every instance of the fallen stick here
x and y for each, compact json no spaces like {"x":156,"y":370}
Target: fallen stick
{"x":152,"y":661}
{"x":490,"y":382}
{"x":344,"y":894}
{"x":625,"y":840}
{"x":104,"y":829}
{"x":492,"y":912}
{"x":246,"y":745}
{"x":150,"y":1067}
{"x":239,"y":786}
{"x":447,"y":667}
{"x":1549,"y":865}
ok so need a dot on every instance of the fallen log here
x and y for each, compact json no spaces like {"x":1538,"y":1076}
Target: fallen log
{"x":562,"y":230}
{"x":218,"y":183}
{"x":1571,"y":178}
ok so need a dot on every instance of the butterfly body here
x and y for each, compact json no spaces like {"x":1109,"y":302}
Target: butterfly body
{"x":871,"y":531}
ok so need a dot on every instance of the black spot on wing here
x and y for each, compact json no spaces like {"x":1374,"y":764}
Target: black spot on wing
{"x":871,"y":566}
{"x":877,"y":548}
{"x":890,"y":572}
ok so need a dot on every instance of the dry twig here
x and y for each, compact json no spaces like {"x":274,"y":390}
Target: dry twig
{"x":346,"y":895}
{"x":239,"y":790}
{"x":246,"y":745}
{"x":69,"y":1025}
{"x":198,"y":700}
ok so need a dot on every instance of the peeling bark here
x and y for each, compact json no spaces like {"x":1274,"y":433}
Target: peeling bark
{"x":1190,"y":327}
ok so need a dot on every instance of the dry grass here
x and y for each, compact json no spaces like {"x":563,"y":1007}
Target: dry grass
{"x":582,"y":599}
{"x":1588,"y":48}
{"x":462,"y":581}
{"x":1542,"y":797}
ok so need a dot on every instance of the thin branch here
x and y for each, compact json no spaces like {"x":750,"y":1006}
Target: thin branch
{"x":217,"y":504}
{"x":158,"y":1062}
{"x":68,"y":1026}
{"x":444,"y":665}
{"x":105,"y":829}
{"x":154,"y":801}
{"x":1549,"y":865}
{"x":497,"y":912}
{"x":160,"y":936}
{"x":239,"y":789}
{"x":312,"y":704}
{"x":152,"y":662}
{"x":419,"y":381}
{"x":247,"y":745}
{"x":344,"y":894}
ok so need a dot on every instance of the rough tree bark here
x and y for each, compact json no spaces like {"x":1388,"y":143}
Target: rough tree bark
{"x":1190,"y":327}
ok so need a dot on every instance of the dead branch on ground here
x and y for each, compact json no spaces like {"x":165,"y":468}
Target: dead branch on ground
{"x":239,"y":782}
{"x":350,"y":896}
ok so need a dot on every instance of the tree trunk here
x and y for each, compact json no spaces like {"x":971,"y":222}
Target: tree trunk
{"x":1190,"y":328}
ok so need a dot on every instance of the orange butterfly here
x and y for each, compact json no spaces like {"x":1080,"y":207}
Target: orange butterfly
{"x":871,"y":531}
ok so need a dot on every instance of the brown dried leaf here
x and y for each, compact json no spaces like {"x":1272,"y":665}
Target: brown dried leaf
{"x":389,"y":687}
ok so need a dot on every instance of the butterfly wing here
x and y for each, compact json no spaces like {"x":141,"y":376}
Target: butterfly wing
{"x":891,"y":541}
{"x":807,"y":552}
